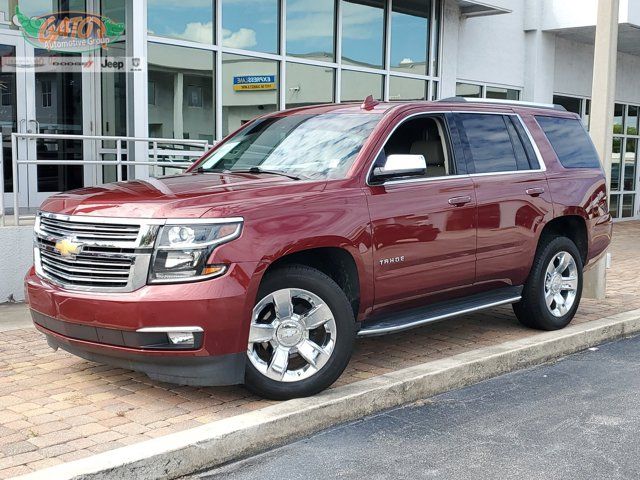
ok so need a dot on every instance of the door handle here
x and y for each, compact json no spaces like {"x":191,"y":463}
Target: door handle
{"x":459,"y":201}
{"x":534,"y":192}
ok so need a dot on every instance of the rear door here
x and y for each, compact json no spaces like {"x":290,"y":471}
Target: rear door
{"x":512,"y":195}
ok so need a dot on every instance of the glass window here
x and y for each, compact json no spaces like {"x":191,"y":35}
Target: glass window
{"x":182,"y":77}
{"x":8,"y":117}
{"x":330,"y":142}
{"x":489,"y":143}
{"x":628,"y":202}
{"x":177,"y":20}
{"x":410,"y":36}
{"x":436,"y":44}
{"x":356,"y":86}
{"x":468,"y":90}
{"x":250,"y":25}
{"x":618,"y":119}
{"x":307,"y":84}
{"x":401,"y":88}
{"x":420,"y":136}
{"x":614,"y":206}
{"x":249,"y":89}
{"x":502,"y":93}
{"x":363,"y":32}
{"x":571,"y":104}
{"x":629,"y":179}
{"x":632,"y":120}
{"x":616,"y":163}
{"x":152,"y":93}
{"x":315,"y":42}
{"x":570,"y":142}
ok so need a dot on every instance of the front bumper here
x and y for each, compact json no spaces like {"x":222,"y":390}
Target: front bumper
{"x":102,"y":327}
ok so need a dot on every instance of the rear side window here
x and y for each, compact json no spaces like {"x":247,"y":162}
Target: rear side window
{"x":570,"y":141}
{"x":492,"y":143}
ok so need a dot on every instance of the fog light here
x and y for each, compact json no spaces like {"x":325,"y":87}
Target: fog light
{"x":182,"y":338}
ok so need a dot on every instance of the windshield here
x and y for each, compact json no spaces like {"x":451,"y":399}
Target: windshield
{"x":304,"y":146}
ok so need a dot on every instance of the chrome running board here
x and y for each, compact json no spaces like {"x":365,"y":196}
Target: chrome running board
{"x":418,"y":317}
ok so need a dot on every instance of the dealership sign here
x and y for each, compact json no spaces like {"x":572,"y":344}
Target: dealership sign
{"x":69,"y":31}
{"x":254,"y":82}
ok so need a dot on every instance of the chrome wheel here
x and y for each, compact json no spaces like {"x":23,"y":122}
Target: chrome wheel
{"x":292,"y":335}
{"x":561,"y":284}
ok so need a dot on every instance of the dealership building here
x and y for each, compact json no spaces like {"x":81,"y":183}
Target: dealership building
{"x":204,"y":67}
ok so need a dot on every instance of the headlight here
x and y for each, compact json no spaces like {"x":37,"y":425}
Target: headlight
{"x":183,"y":250}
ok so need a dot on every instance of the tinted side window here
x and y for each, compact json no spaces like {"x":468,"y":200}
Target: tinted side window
{"x":570,"y":142}
{"x":489,"y":143}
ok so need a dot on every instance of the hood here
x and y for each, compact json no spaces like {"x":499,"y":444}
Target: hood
{"x":180,"y":196}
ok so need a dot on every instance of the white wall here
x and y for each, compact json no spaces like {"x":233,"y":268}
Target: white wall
{"x":574,"y":72}
{"x":16,"y":256}
{"x":491,"y":49}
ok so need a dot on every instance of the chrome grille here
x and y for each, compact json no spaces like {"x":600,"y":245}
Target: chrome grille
{"x":83,"y":231}
{"x":113,"y":256}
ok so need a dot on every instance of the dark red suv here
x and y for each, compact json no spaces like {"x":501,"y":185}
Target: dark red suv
{"x":310,"y":227}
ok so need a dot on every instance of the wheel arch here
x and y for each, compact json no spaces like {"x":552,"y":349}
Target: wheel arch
{"x":337,"y":262}
{"x":573,"y":227}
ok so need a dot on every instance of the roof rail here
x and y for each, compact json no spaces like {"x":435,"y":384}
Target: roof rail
{"x":515,"y":103}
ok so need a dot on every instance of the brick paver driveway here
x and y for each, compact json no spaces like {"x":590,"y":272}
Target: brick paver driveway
{"x":55,"y":407}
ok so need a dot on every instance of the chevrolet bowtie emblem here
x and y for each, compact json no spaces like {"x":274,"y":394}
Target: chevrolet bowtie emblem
{"x":67,"y":248}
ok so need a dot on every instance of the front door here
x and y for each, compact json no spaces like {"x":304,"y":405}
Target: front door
{"x":424,"y":228}
{"x":47,"y":102}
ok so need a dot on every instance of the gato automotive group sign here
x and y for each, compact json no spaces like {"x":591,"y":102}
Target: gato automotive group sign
{"x":69,"y":31}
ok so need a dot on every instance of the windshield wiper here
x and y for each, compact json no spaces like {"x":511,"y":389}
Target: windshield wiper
{"x":257,"y":170}
{"x":268,"y":172}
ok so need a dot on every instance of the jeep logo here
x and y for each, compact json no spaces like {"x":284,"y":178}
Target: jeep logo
{"x":389,"y":261}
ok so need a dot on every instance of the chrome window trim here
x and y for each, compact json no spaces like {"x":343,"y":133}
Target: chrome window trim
{"x":541,"y":163}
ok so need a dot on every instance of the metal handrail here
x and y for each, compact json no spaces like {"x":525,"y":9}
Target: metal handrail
{"x":154,"y":160}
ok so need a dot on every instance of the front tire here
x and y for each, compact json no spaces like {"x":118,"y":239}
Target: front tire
{"x":551,"y":296}
{"x":301,"y":335}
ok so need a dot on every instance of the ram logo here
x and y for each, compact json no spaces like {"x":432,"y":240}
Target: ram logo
{"x":389,"y":261}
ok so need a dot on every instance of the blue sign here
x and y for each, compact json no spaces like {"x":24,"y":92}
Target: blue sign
{"x":254,"y":82}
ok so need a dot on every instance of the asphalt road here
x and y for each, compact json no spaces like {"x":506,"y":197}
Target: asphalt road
{"x":576,"y":419}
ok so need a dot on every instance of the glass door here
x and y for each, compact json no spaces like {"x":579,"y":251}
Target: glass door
{"x":13,"y":114}
{"x":46,"y":101}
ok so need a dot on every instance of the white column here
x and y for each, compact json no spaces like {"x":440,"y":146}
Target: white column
{"x":540,"y":56}
{"x":450,"y":43}
{"x":178,"y":104}
{"x":602,"y":104}
{"x":137,"y":84}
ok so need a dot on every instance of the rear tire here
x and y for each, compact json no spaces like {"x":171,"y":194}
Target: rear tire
{"x":302,"y":334}
{"x":552,"y":294}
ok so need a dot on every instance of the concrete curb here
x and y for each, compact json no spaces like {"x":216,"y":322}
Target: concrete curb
{"x":225,"y":440}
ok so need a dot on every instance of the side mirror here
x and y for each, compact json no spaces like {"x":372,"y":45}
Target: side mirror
{"x":401,"y":166}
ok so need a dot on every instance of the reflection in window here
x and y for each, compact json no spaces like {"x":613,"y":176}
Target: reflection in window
{"x":401,"y":88}
{"x":616,"y":163}
{"x":356,"y":86}
{"x":47,"y":92}
{"x":468,"y":90}
{"x":502,"y":93}
{"x":33,"y":8}
{"x":628,"y":202}
{"x":618,"y":119}
{"x":489,"y":143}
{"x":316,"y":42}
{"x":250,"y":25}
{"x":571,"y":104}
{"x":308,"y":84}
{"x":614,"y":206}
{"x":363,"y":32}
{"x":249,"y":89}
{"x":182,"y":77}
{"x":629,"y":179}
{"x":632,"y":120}
{"x":410,"y":36}
{"x":167,"y":18}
